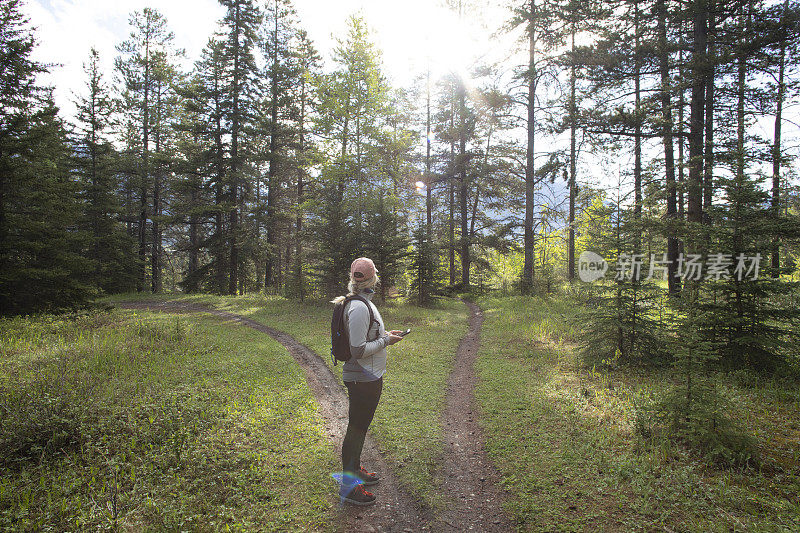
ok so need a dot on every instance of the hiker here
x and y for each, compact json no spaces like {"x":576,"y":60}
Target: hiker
{"x":362,"y":375}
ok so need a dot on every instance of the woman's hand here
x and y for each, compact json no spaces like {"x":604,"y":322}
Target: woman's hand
{"x":394,"y":338}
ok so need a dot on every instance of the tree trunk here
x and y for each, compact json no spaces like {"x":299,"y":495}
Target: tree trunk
{"x":194,"y":240}
{"x":145,"y":173}
{"x":529,"y":244}
{"x":3,"y":228}
{"x":741,"y":85}
{"x":4,"y":303}
{"x":94,"y":177}
{"x":637,"y":136}
{"x":572,"y":161}
{"x":673,"y":283}
{"x":681,"y":128}
{"x":428,"y":180}
{"x":345,"y":134}
{"x":452,"y":200}
{"x":464,"y":188}
{"x":233,"y":279}
{"x":272,"y":184}
{"x":155,"y":250}
{"x":476,"y":201}
{"x":219,"y":193}
{"x":775,"y":261}
{"x":358,"y":176}
{"x":300,"y":198}
{"x":708,"y":179}
{"x":696,"y":106}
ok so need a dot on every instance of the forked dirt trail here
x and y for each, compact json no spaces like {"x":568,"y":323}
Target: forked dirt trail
{"x":469,"y":480}
{"x":394,"y":510}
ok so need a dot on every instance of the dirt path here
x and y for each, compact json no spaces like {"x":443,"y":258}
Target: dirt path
{"x":468,"y":477}
{"x":395,"y":510}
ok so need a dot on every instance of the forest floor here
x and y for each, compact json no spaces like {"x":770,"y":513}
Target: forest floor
{"x":469,"y":495}
{"x":156,"y":422}
{"x":487,"y":422}
{"x":394,"y":510}
{"x":567,"y":439}
{"x":467,"y":476}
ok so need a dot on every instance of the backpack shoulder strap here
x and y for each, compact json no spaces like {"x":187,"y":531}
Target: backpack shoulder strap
{"x":369,"y":307}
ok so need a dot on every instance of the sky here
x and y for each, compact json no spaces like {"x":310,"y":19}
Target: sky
{"x":411,"y":33}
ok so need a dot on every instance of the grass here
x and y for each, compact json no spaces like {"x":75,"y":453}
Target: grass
{"x":156,"y":422}
{"x":211,"y":421}
{"x":407,"y":423}
{"x":564,"y":438}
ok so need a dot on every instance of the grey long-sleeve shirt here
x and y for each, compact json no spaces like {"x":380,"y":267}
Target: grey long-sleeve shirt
{"x":367,"y":341}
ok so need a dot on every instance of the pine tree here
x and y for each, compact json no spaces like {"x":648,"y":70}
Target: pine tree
{"x":141,"y":66}
{"x":165,"y":104}
{"x":18,"y":92}
{"x":422,"y":266}
{"x":354,"y":111}
{"x":786,"y":24}
{"x":384,"y":238}
{"x":204,"y":100}
{"x":493,"y":154}
{"x":44,"y":263}
{"x":747,"y":320}
{"x":42,"y":266}
{"x":241,"y":88}
{"x":279,"y":40}
{"x":568,"y":19}
{"x":664,"y":52}
{"x":307,"y":64}
{"x":335,"y":245}
{"x":111,"y":248}
{"x":698,"y":11}
{"x":192,"y":205}
{"x":694,"y":411}
{"x":619,"y":326}
{"x":444,"y":127}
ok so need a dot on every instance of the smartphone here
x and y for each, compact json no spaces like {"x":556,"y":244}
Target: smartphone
{"x":406,"y":332}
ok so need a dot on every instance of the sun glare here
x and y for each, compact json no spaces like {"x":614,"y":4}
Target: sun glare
{"x":448,"y":43}
{"x":429,"y":35}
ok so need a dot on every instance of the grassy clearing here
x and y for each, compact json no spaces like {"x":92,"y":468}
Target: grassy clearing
{"x":156,"y":422}
{"x":565,"y":440}
{"x":407,"y":422}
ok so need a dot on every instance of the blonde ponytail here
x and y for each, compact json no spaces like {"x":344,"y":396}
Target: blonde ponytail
{"x":354,"y":287}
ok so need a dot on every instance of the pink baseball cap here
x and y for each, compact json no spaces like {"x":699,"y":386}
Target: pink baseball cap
{"x":362,"y":269}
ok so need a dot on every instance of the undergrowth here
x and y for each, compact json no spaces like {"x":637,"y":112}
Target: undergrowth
{"x":156,"y":422}
{"x":595,"y":448}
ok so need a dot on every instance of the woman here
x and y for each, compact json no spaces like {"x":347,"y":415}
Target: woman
{"x":363,"y":376}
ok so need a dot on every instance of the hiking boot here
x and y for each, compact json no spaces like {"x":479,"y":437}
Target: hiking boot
{"x":359,"y":496}
{"x":367,"y":478}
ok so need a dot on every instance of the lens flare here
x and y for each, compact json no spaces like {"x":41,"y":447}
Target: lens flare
{"x":346,"y":483}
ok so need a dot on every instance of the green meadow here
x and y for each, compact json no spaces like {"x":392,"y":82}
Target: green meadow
{"x":570,"y":440}
{"x":158,"y":421}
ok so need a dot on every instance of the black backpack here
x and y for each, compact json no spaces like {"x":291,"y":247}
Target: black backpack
{"x":340,"y":339}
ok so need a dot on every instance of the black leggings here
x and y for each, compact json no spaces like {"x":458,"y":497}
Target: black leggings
{"x":364,"y":396}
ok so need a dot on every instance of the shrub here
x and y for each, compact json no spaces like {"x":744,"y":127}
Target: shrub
{"x":706,"y":425}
